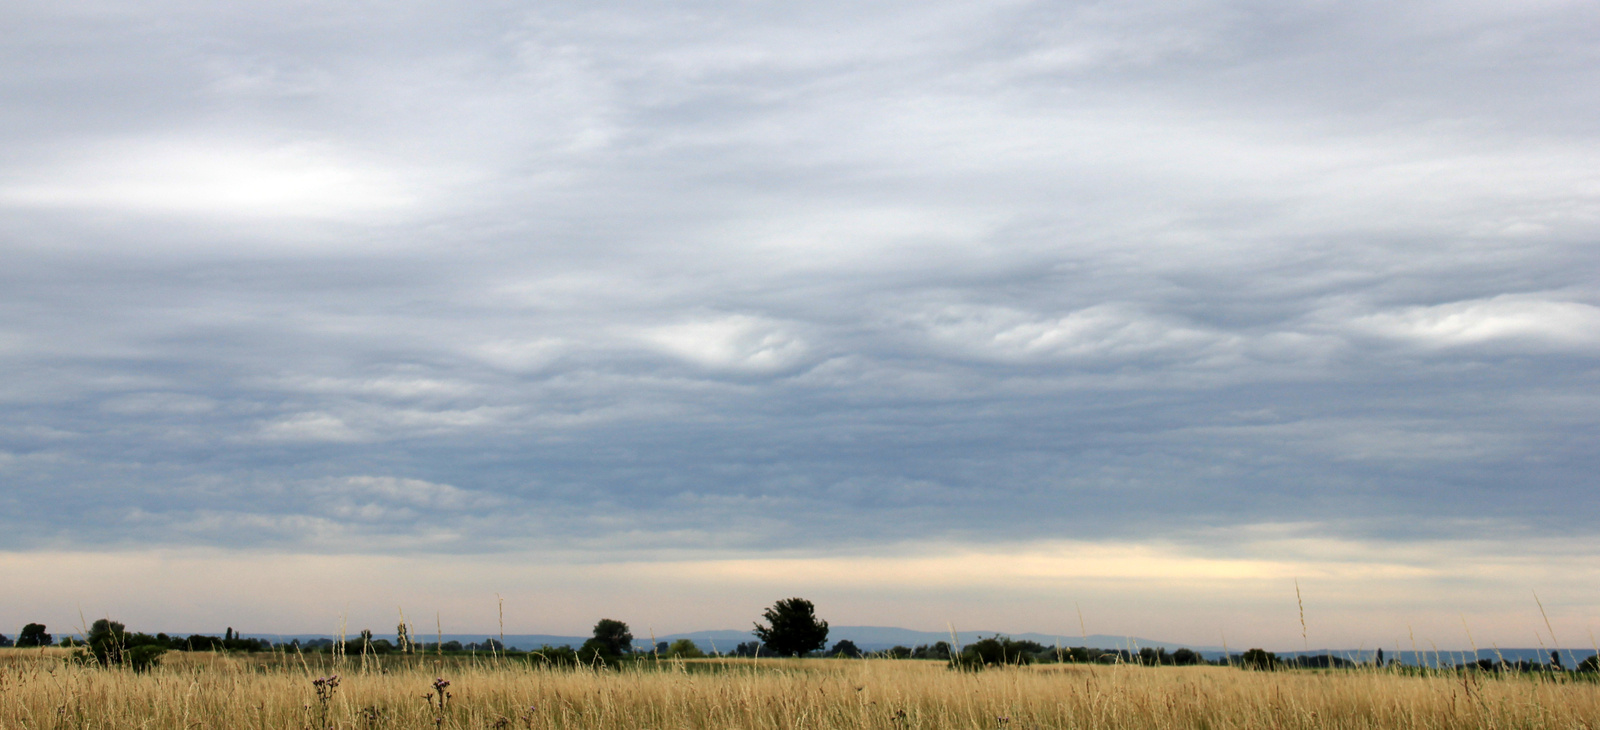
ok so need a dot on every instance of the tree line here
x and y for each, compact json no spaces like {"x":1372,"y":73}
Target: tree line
{"x":791,"y":629}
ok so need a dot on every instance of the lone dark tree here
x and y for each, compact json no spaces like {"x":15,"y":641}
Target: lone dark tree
{"x":794,"y":628}
{"x":33,"y":635}
{"x":614,"y":636}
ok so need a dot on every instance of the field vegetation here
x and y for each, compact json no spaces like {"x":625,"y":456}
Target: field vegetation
{"x":54,"y":688}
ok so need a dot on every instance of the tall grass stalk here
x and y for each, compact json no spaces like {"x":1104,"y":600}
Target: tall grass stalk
{"x":1305,"y":641}
{"x":205,"y":690}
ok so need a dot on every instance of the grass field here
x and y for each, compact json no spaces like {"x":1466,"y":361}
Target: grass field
{"x":40,"y":689}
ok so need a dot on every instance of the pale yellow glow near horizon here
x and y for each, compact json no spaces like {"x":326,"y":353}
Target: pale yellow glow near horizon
{"x":1356,"y":594}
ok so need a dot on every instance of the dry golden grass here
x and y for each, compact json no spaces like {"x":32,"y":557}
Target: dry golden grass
{"x":38,"y":689}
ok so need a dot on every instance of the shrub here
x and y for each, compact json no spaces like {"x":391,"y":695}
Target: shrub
{"x":1187,"y":657}
{"x":1259,"y":660}
{"x":937,"y":650}
{"x":683,"y":649}
{"x":748,"y":648}
{"x":201,"y":642}
{"x":596,"y":652}
{"x":845,"y":648}
{"x":553,"y":656}
{"x":109,"y":644}
{"x":1000,"y":650}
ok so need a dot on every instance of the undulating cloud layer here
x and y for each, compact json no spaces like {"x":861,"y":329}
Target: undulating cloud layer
{"x":613,"y":284}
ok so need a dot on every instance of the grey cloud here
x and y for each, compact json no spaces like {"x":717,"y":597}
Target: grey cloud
{"x":760,"y":275}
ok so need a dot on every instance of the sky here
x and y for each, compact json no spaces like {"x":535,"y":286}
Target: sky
{"x":1171,"y":319}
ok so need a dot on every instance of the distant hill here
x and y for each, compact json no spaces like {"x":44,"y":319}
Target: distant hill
{"x":514,"y":641}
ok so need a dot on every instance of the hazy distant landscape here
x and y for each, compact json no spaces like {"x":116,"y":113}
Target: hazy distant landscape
{"x":813,"y":676}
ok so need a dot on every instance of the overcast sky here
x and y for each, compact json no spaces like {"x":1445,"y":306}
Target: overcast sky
{"x":1175,"y":302}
